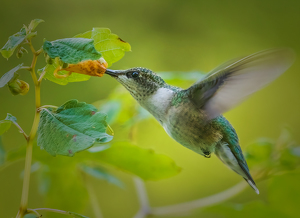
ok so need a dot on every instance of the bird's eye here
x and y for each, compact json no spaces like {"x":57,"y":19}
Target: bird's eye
{"x":135,"y":74}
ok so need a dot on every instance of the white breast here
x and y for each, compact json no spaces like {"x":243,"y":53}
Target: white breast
{"x":159,"y":103}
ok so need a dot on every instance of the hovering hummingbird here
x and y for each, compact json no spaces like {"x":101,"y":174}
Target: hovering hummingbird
{"x":193,"y":116}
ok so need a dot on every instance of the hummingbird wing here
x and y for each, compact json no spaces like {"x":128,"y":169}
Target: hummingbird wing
{"x":230,"y":83}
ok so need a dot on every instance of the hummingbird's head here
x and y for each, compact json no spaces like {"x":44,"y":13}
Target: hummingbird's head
{"x":140,"y":82}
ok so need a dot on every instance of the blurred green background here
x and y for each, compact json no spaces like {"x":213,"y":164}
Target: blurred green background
{"x":164,"y":36}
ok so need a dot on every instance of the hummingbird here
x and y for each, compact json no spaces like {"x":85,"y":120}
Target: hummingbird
{"x":193,"y":116}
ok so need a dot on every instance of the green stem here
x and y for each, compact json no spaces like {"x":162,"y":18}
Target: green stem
{"x":50,"y":210}
{"x":34,"y":211}
{"x":54,"y":211}
{"x":30,"y":138}
{"x":20,"y":129}
{"x":25,"y":68}
{"x":48,"y":106}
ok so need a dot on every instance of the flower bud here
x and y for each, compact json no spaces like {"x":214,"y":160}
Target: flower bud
{"x":17,"y":87}
{"x":20,"y":52}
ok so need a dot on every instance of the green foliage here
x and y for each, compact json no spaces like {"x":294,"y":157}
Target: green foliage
{"x":4,"y":126}
{"x":111,"y":46}
{"x":59,"y":177}
{"x":259,"y":152}
{"x":76,"y":126}
{"x":7,"y":77}
{"x":34,"y":23}
{"x":71,"y":128}
{"x":18,"y":39}
{"x":72,"y":50}
{"x":101,"y":173}
{"x":53,"y":171}
{"x":144,"y":163}
{"x":108,"y":45}
{"x":6,"y":123}
{"x":282,"y":202}
{"x":274,"y":156}
{"x":11,"y":118}
{"x":122,"y":108}
{"x":13,"y":42}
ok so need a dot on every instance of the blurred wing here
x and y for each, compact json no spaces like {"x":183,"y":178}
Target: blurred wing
{"x":229,"y":84}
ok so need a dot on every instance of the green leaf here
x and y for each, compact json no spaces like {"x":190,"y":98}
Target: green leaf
{"x":72,"y":50}
{"x":33,"y":24}
{"x":73,"y":127}
{"x":9,"y":75}
{"x":6,"y":123}
{"x":11,"y":118}
{"x":102,"y":174}
{"x":13,"y":42}
{"x":111,"y":46}
{"x":4,"y":126}
{"x":2,"y":153}
{"x":98,"y":148}
{"x":144,"y":163}
{"x":74,"y":77}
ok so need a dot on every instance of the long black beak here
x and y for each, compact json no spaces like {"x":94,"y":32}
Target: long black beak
{"x":113,"y":73}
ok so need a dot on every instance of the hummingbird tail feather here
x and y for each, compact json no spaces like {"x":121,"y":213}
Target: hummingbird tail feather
{"x":252,"y":184}
{"x":235,"y":161}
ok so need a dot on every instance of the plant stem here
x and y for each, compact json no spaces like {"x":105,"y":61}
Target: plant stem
{"x":34,"y":211}
{"x":93,"y":198}
{"x":199,"y":203}
{"x":48,"y":106}
{"x":55,"y":211}
{"x":25,"y":68}
{"x":145,"y":208}
{"x":51,"y":210}
{"x":41,"y":76}
{"x":176,"y":209}
{"x":20,"y":129}
{"x":30,"y":138}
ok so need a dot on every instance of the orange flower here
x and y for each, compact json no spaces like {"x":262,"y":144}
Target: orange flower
{"x":88,"y":67}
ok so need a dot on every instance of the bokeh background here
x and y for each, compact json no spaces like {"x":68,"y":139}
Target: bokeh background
{"x":165,"y":36}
